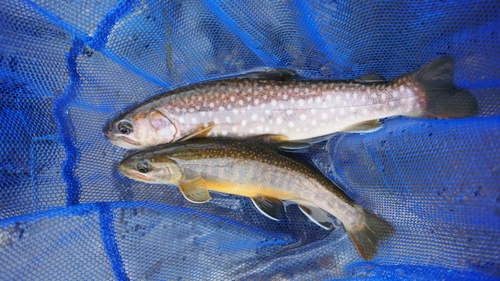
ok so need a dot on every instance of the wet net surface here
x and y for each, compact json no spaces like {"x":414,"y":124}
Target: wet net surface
{"x":67,"y":67}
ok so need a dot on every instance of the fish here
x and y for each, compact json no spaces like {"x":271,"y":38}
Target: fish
{"x":275,"y":102}
{"x":255,"y":169}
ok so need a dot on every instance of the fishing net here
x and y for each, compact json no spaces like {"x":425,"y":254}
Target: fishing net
{"x":67,"y":67}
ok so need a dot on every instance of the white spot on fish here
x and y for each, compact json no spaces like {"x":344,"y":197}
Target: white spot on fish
{"x":249,"y":107}
{"x":273,"y":102}
{"x":409,"y":91}
{"x":323,"y":115}
{"x":221,"y":108}
{"x":313,"y":111}
{"x":290,"y":124}
{"x":216,"y":120}
{"x":383,"y":97}
{"x":191,"y":110}
{"x":234,"y":129}
{"x":402,"y":88}
{"x":352,"y":108}
{"x":181,"y":119}
{"x":249,"y":98}
{"x":259,"y":128}
{"x":243,"y":123}
{"x":211,"y":104}
{"x":198,"y":107}
{"x":228,"y":119}
{"x":303,"y":117}
{"x":223,"y":133}
{"x":285,"y":96}
{"x":268,"y":112}
{"x":337,"y":98}
{"x":177,"y":109}
{"x":301,"y":102}
{"x":318,"y":100}
{"x":264,"y":97}
{"x":194,"y":120}
{"x":395,"y":94}
{"x":200,"y":98}
{"x":289,"y":112}
{"x":267,"y":129}
{"x":391,"y":103}
{"x":256,"y":102}
{"x":231,"y":98}
{"x":374,"y":96}
{"x":415,"y":89}
{"x":363,"y":99}
{"x":203,"y":113}
{"x":296,"y":90}
{"x":262,"y":119}
{"x":329,"y":97}
{"x":235,"y":111}
{"x":314,"y":122}
{"x":279,"y":120}
{"x":252,"y":131}
{"x":342,"y":111}
{"x":240,"y":102}
{"x":365,"y":111}
{"x":254,"y":116}
{"x":292,"y":100}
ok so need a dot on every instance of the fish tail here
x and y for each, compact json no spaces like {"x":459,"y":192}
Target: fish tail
{"x":442,"y":98}
{"x":367,"y":235}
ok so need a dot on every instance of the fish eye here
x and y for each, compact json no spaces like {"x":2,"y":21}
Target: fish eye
{"x":143,"y":167}
{"x":125,"y":127}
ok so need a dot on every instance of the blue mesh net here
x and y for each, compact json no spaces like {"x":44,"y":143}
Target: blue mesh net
{"x":69,"y":66}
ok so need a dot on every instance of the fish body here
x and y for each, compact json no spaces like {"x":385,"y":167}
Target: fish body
{"x":256,"y":170}
{"x":296,"y":109}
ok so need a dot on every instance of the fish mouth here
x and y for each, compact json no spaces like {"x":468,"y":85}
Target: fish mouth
{"x":123,"y":141}
{"x":134,"y":175}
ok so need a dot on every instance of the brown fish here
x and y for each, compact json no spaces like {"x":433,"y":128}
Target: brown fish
{"x":297,"y":109}
{"x":256,"y":170}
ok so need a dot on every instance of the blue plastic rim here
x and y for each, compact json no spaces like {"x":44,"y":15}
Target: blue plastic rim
{"x":67,"y":67}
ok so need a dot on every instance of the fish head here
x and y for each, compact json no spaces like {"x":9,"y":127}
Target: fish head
{"x":151,"y":168}
{"x":140,"y":130}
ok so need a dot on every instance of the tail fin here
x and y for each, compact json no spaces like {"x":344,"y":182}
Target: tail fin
{"x":443,"y":98}
{"x":366,"y":237}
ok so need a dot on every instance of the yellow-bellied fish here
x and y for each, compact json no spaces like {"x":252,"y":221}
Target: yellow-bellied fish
{"x":256,"y":170}
{"x":257,"y":103}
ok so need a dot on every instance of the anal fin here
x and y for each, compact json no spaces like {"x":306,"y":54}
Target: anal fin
{"x":269,"y":207}
{"x":317,"y":216}
{"x":194,"y":190}
{"x":364,"y":127}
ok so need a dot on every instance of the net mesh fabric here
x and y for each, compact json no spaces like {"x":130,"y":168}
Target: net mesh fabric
{"x":67,"y":67}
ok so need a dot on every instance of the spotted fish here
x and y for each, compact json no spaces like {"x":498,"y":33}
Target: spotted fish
{"x":256,"y":170}
{"x":258,"y":103}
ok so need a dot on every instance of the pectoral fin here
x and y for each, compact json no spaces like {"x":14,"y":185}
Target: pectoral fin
{"x":194,"y":190}
{"x":202,"y":133}
{"x":364,"y":127}
{"x":268,"y":73}
{"x":371,"y":78}
{"x":269,"y":207}
{"x":317,"y":216}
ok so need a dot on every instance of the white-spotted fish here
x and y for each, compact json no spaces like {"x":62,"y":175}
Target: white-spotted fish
{"x":258,"y":103}
{"x":256,"y":170}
